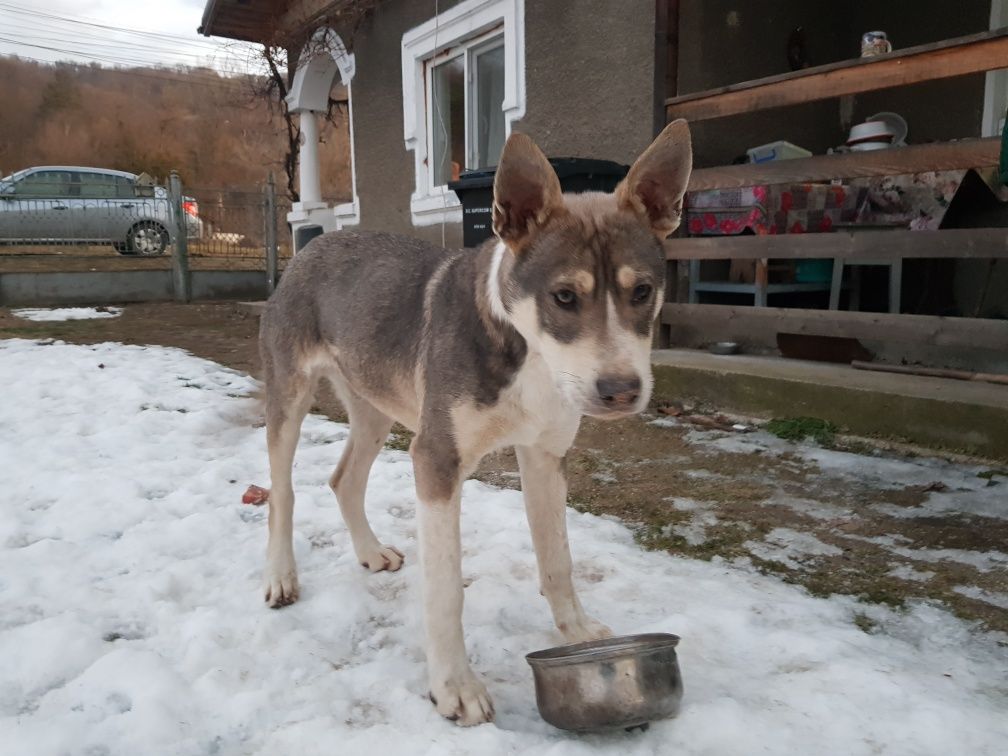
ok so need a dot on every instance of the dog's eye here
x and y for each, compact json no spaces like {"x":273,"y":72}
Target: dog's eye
{"x":641,"y":293}
{"x":565,"y":298}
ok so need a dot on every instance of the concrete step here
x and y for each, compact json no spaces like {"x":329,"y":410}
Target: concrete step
{"x":251,"y":308}
{"x":963,"y":416}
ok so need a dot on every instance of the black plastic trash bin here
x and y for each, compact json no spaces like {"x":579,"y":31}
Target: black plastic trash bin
{"x":475,"y":190}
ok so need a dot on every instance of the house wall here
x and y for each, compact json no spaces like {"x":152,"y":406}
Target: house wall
{"x":589,"y":67}
{"x":385,"y":178}
{"x":724,"y":42}
{"x":589,"y":74}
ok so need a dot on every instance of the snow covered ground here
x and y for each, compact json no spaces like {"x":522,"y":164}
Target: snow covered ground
{"x":132,"y":620}
{"x":68,"y":313}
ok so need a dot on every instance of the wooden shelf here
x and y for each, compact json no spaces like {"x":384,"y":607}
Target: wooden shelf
{"x":941,"y":156}
{"x":976,"y":243}
{"x":976,"y":53}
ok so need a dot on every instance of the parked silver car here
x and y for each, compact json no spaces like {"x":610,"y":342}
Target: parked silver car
{"x":74,"y":204}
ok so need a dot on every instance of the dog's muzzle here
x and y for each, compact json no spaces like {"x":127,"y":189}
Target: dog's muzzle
{"x":616,"y":396}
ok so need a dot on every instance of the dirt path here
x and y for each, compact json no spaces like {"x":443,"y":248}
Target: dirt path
{"x":838,"y":518}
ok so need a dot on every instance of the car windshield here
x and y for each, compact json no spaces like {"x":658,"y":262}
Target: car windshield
{"x":13,"y":177}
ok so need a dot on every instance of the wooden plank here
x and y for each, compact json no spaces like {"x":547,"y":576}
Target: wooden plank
{"x":757,"y":323}
{"x":977,"y":243}
{"x":976,"y":53}
{"x":942,"y":156}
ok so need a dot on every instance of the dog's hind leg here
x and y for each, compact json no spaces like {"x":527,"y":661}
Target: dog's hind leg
{"x":288,"y":398}
{"x":368,"y":430}
{"x":544,"y":486}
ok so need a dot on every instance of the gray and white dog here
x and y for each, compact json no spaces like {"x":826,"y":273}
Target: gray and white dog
{"x":473,"y":350}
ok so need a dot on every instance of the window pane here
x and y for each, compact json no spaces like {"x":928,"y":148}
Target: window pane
{"x":97,"y":186}
{"x":124,"y":188}
{"x":489,"y":101}
{"x":448,"y":120}
{"x":44,"y":184}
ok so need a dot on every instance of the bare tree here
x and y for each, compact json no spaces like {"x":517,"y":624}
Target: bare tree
{"x":280,"y":60}
{"x":274,"y":88}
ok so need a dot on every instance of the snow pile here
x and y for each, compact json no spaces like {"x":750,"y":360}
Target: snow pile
{"x":68,"y":313}
{"x":133,"y":623}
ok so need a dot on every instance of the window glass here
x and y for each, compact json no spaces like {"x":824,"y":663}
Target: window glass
{"x":45,"y":184}
{"x":489,"y":113}
{"x":124,"y":187}
{"x":97,"y":186}
{"x":448,"y":101}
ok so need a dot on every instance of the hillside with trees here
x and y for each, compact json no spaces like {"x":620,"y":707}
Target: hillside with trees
{"x":218,"y":132}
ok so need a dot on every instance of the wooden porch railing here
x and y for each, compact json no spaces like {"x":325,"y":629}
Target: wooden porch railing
{"x":955,"y":57}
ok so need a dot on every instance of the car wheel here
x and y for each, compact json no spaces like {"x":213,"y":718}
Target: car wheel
{"x":147,"y":239}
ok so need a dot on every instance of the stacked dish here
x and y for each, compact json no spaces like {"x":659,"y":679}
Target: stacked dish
{"x":881,"y":131}
{"x":870,"y":135}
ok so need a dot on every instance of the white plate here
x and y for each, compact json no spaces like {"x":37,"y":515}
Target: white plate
{"x":869,"y":130}
{"x":870,"y":146}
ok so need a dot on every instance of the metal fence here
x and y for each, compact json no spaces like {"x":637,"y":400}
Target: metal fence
{"x":73,"y":219}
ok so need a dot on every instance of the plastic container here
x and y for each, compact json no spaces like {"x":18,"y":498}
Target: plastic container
{"x":475,"y":190}
{"x":813,"y":271}
{"x":776,"y":151}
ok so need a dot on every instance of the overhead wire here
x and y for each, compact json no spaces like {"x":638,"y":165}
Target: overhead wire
{"x":115,"y":61}
{"x":96,"y":24}
{"x":28,"y":34}
{"x":120,"y":45}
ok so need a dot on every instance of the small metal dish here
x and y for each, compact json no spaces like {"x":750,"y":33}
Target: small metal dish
{"x":614,"y":683}
{"x":724,"y":347}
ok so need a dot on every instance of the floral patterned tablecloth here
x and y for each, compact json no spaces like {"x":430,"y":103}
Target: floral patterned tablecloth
{"x":772,"y":209}
{"x":916,"y":201}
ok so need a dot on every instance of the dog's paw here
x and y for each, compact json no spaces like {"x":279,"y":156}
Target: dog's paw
{"x":464,"y":701}
{"x":586,"y":629}
{"x":378,"y":558}
{"x":280,"y":583}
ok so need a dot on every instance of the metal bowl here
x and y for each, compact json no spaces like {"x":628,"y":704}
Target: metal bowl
{"x":724,"y":347}
{"x":613,"y":683}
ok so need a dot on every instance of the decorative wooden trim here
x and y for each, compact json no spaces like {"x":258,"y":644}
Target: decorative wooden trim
{"x":976,"y":53}
{"x":982,"y":243}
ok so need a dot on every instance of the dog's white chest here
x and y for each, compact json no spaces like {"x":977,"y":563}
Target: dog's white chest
{"x":544,"y":415}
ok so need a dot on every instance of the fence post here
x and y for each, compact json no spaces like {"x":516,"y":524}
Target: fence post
{"x":180,"y":250}
{"x":271,"y":235}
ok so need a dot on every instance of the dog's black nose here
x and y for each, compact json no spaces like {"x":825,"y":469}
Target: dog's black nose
{"x":618,"y":391}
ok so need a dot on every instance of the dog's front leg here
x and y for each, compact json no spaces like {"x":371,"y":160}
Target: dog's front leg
{"x":454,"y":688}
{"x":544,"y":485}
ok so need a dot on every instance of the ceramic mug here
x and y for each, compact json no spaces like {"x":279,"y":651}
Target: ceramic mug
{"x":875,"y":43}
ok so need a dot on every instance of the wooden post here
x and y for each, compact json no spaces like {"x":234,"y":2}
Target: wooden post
{"x":762,"y":280}
{"x":271,"y":234}
{"x":182,"y":283}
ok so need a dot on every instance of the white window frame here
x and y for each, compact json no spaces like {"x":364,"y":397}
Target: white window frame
{"x":468,"y":53}
{"x":348,"y":213}
{"x":470,"y":23}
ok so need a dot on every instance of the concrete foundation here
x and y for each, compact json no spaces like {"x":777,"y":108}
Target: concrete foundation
{"x":962,"y":416}
{"x":31,"y":289}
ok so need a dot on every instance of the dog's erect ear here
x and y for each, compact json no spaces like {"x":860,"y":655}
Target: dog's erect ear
{"x":656,"y":183}
{"x":526,"y":192}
